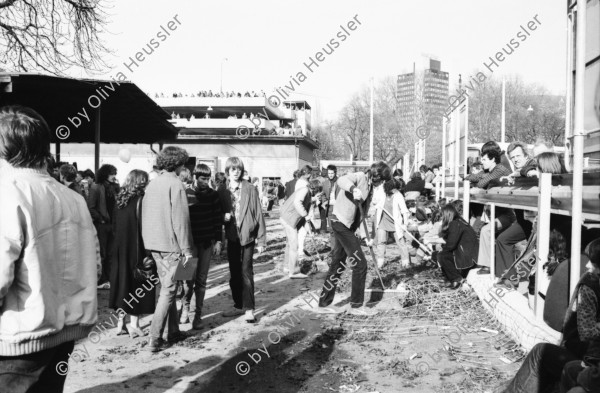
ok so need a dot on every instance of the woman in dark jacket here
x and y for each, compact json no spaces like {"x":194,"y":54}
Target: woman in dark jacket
{"x":128,"y":251}
{"x":414,"y":186}
{"x":459,"y":253}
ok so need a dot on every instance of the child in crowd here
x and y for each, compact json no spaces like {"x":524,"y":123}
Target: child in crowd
{"x":391,"y":217}
{"x":206,"y":220}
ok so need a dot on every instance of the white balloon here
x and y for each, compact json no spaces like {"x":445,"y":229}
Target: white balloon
{"x":125,"y":155}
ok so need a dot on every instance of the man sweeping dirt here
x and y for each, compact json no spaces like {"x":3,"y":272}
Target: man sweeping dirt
{"x":352,"y":189}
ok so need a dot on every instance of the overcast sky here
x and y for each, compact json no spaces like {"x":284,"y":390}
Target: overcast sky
{"x":266,"y":42}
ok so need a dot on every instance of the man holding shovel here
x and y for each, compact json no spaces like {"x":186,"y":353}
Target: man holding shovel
{"x":353,"y":195}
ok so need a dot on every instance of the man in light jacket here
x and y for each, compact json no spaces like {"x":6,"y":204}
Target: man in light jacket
{"x":352,"y":189}
{"x":49,"y":256}
{"x":167,"y":234}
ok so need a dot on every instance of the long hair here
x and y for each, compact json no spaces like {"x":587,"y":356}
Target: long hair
{"x":549,"y":163}
{"x":449,"y":214}
{"x":134,"y":185}
{"x":558,"y":246}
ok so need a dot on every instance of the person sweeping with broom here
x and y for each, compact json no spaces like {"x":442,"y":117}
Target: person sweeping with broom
{"x":353,"y":196}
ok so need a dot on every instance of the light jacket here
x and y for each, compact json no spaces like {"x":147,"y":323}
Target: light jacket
{"x":166,"y":223}
{"x":49,"y":255}
{"x":296,"y":207}
{"x":399,"y":210}
{"x":345,"y":209}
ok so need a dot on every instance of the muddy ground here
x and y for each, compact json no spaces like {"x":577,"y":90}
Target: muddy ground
{"x":428,"y":339}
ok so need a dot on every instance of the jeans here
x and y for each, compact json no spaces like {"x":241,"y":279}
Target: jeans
{"x":382,"y":237}
{"x":105,"y":239}
{"x":345,"y":244}
{"x":291,"y":248}
{"x":541,"y":369}
{"x":505,"y":243}
{"x":166,"y":308}
{"x":36,"y":372}
{"x":323,"y":216}
{"x":198,"y":285}
{"x":242,"y":274}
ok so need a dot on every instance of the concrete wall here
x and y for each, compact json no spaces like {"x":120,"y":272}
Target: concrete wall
{"x":260,"y":160}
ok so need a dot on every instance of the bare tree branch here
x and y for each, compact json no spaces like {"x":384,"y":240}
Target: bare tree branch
{"x":52,"y":35}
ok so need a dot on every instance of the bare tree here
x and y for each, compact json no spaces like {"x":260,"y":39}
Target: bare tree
{"x":531,"y":112}
{"x":52,"y":35}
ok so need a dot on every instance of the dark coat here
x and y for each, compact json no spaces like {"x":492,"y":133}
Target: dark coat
{"x":251,"y":223}
{"x":128,"y":250}
{"x":290,"y":187}
{"x":462,"y":241}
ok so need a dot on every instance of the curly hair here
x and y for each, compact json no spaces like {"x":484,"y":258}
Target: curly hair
{"x":134,"y":185}
{"x":390,"y":185}
{"x":104,"y":172}
{"x":171,"y":158}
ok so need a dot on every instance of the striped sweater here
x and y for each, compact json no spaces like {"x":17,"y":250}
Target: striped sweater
{"x":206,"y":217}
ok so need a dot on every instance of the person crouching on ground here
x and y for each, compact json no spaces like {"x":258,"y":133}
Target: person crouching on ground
{"x":207,"y":223}
{"x":353,"y":189}
{"x":391,"y":217}
{"x":49,"y":256}
{"x":167,"y":234}
{"x":459,"y":252}
{"x":293,"y":216}
{"x":244,"y":228}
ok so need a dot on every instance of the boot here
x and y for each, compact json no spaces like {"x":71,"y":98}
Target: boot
{"x":185,"y":314}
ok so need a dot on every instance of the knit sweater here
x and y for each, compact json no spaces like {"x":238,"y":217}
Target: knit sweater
{"x":206,"y":217}
{"x":165,"y":215}
{"x":49,"y":255}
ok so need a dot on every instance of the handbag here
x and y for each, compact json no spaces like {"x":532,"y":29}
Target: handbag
{"x":145,"y":267}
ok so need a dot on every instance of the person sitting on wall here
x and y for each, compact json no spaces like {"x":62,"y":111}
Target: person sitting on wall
{"x":415,"y":186}
{"x":491,"y":157}
{"x":493,"y":170}
{"x":544,"y":364}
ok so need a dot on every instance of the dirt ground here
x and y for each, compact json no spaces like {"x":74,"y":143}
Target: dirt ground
{"x":427,"y":339}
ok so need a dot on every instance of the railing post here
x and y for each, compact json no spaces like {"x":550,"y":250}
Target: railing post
{"x":543,"y":241}
{"x":493,"y":241}
{"x":466,"y":199}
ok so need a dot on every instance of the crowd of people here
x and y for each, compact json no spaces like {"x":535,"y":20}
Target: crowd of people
{"x":217,"y":94}
{"x":65,"y":234}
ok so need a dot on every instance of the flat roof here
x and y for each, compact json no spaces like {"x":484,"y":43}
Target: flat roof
{"x":127,"y":114}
